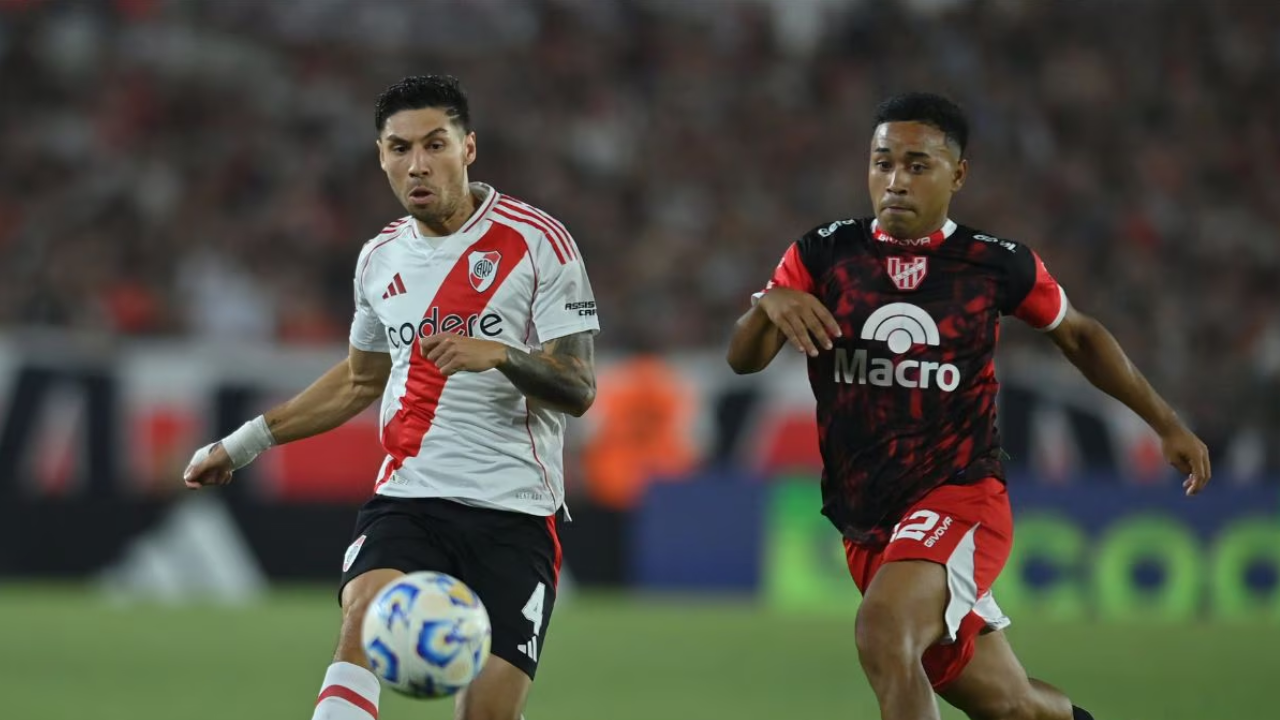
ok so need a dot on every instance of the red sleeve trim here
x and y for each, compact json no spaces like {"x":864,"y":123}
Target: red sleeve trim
{"x":791,"y":273}
{"x":1046,"y":305}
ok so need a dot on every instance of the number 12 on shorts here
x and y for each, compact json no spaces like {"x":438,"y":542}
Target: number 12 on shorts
{"x":533,"y":613}
{"x":925,"y":520}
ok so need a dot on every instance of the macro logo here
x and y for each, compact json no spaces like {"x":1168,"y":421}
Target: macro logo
{"x":474,"y":325}
{"x":900,"y":326}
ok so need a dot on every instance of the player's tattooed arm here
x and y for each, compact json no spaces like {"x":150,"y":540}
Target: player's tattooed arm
{"x":561,"y":375}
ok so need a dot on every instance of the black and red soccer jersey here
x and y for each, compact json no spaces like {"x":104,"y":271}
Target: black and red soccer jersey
{"x":906,"y":399}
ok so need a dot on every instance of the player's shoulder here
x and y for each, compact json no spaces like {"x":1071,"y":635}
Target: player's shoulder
{"x":537,"y":226}
{"x":822,"y":245}
{"x":998,"y":248}
{"x":392,"y":231}
{"x":834,"y":232}
{"x":527,"y":217}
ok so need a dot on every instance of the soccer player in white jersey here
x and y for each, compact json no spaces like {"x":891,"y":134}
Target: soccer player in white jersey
{"x":474,"y":321}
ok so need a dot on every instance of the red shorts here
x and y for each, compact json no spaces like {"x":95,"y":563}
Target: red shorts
{"x":969,"y":530}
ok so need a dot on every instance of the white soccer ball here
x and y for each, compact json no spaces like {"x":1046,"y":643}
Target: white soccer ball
{"x":427,"y":635}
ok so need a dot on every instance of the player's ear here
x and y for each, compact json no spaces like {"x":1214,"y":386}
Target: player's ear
{"x":382,"y":156}
{"x":961,"y":172}
{"x":469,"y":148}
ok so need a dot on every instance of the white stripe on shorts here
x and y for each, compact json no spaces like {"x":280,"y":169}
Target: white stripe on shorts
{"x":963,"y":587}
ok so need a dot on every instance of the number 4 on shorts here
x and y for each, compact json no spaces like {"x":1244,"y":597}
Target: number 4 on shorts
{"x":533,"y":613}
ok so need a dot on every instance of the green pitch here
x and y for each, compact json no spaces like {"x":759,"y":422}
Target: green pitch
{"x":67,"y":656}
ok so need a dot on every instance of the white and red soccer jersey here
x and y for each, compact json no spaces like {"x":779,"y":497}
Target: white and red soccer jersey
{"x":512,"y":274}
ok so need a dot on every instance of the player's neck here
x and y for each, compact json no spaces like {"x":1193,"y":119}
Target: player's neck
{"x":922,"y":230}
{"x":454,"y":222}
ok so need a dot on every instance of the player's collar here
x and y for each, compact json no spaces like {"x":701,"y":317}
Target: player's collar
{"x":932,"y":240}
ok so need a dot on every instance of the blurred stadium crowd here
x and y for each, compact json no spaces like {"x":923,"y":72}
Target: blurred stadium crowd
{"x":206,"y":168}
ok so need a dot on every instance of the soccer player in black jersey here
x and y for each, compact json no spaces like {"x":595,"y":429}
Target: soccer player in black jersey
{"x":899,"y":315}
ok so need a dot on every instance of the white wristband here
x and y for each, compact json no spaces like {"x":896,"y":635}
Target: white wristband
{"x":248,"y":442}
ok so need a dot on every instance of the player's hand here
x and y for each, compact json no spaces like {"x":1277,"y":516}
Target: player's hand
{"x":1185,"y":452}
{"x":458,"y":353}
{"x":209,"y":466}
{"x":802,"y":318}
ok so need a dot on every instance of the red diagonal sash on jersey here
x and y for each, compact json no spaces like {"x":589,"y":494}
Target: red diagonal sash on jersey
{"x":403,"y":434}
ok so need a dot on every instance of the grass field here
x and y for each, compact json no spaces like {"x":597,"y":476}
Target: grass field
{"x":68,"y":657}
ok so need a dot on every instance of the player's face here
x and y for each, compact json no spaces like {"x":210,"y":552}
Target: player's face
{"x":913,"y":174}
{"x":425,"y":156}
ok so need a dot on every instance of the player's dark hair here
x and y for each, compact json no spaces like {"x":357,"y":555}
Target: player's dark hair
{"x":930,"y":109}
{"x":424,"y":91}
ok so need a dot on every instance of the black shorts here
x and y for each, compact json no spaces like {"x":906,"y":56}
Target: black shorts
{"x":511,"y":560}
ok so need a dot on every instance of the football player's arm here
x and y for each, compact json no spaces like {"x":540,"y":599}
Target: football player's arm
{"x":560,"y":376}
{"x":755,"y":342}
{"x":337,"y":396}
{"x":1094,"y":350}
{"x":786,"y":311}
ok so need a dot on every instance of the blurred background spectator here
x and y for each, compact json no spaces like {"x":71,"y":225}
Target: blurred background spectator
{"x":207,"y":168}
{"x":185,"y":186}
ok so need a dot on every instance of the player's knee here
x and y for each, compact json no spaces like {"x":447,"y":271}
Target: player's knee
{"x":882,"y":638}
{"x":1007,"y":705}
{"x":356,"y":599}
{"x":358,"y":595}
{"x":354,"y":610}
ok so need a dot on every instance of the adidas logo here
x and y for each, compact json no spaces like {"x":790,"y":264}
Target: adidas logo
{"x":530,"y":648}
{"x":901,"y":326}
{"x":394,"y":288}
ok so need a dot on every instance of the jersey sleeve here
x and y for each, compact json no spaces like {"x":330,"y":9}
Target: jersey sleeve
{"x":791,"y":272}
{"x":563,"y":303}
{"x":367,"y":331}
{"x":1034,"y":295}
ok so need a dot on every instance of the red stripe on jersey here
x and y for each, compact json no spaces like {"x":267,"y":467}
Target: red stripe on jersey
{"x":555,"y":233}
{"x":345,"y":693}
{"x":1045,"y":304}
{"x":565,"y":238}
{"x":559,"y":551}
{"x":399,"y":284}
{"x":506,"y":213}
{"x":523,"y":213}
{"x":791,"y":273}
{"x":403,"y":434}
{"x":392,"y":227}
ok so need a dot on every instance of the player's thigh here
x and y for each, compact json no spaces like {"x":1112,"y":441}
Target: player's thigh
{"x":993,"y":683}
{"x":510,"y":560}
{"x":392,"y":537}
{"x":397,"y":534}
{"x":356,"y":597}
{"x":498,"y":693}
{"x":966,"y":530}
{"x":902,"y":608}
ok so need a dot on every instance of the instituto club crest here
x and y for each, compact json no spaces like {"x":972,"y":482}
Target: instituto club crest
{"x":908,"y":272}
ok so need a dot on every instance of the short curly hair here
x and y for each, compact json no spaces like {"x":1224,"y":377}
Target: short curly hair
{"x":934,"y":110}
{"x":424,"y":91}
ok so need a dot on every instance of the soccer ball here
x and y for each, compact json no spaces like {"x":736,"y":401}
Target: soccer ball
{"x":427,"y":635}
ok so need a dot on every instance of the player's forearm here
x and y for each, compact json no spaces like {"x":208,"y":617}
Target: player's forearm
{"x":1102,"y":361}
{"x":336,"y":397}
{"x":564,"y":382}
{"x":755,"y":342}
